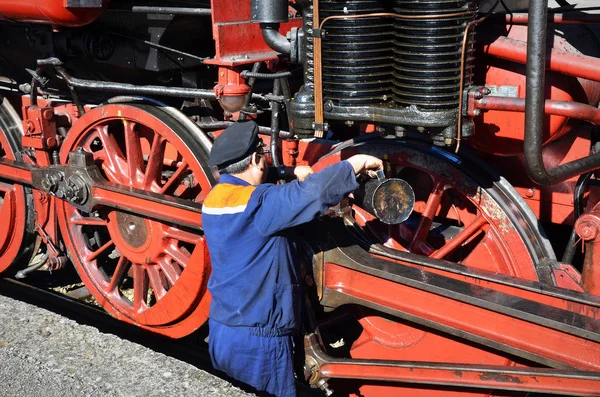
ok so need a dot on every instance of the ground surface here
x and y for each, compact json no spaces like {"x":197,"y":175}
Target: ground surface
{"x":45,"y":354}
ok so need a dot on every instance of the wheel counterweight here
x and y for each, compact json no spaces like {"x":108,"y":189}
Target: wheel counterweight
{"x":142,"y":270}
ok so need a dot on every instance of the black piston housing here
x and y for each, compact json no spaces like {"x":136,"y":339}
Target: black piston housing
{"x":356,"y":53}
{"x":427,"y":53}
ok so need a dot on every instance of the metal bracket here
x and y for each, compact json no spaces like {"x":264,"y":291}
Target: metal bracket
{"x":70,"y":182}
{"x":316,"y":32}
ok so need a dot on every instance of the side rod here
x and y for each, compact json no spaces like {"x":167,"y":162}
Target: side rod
{"x":104,"y":193}
{"x":563,"y":382}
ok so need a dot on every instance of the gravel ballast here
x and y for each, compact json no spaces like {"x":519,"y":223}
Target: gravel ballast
{"x":45,"y":354}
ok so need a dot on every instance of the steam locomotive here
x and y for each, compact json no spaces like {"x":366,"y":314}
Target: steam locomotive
{"x":488,"y":110}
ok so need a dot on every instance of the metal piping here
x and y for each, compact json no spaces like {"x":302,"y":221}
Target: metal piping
{"x":124,"y":88}
{"x":264,"y":76}
{"x":275,"y":108}
{"x":274,"y":39}
{"x":571,"y":64}
{"x":535,"y":102}
{"x":172,"y":10}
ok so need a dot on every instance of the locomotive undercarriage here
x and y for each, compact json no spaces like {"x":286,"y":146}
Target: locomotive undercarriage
{"x":106,"y":171}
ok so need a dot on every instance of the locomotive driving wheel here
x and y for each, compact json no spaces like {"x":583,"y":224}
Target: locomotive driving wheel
{"x":142,"y":270}
{"x":462,"y":214}
{"x":15,"y":202}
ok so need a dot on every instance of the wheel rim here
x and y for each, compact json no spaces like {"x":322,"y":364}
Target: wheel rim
{"x":455,"y":218}
{"x":142,"y":270}
{"x":13,"y":199}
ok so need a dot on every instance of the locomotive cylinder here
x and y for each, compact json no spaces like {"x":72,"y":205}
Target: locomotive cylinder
{"x":55,"y":12}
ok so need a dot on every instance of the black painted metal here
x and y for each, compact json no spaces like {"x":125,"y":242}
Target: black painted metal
{"x":269,"y":11}
{"x":356,"y":54}
{"x":171,"y":10}
{"x":427,"y":53}
{"x":534,"y":106}
{"x":274,"y":39}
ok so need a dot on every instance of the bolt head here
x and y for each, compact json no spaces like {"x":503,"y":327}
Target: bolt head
{"x":48,"y":114}
{"x":587,"y":231}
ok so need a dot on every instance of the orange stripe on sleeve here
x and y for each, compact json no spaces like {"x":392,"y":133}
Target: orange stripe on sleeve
{"x":228,"y":195}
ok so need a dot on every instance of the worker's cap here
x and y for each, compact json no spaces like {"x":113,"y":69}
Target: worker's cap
{"x":236,"y":143}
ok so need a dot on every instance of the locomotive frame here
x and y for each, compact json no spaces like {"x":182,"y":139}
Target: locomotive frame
{"x":106,"y":172}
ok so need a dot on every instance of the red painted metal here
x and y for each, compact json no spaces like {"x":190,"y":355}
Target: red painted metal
{"x":238,"y":41}
{"x":169,"y":266}
{"x":39,"y":128}
{"x":231,"y":89}
{"x":575,"y":110}
{"x":55,"y":12}
{"x":505,"y":378}
{"x":448,"y":196}
{"x":555,"y":345}
{"x":501,"y":133}
{"x":575,"y":17}
{"x":18,"y":173}
{"x":588,"y":228}
{"x":569,"y":63}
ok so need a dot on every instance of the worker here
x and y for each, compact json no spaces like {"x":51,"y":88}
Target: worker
{"x":254,"y":284}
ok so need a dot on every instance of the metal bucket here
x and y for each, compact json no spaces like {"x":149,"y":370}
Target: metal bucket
{"x":391,"y":200}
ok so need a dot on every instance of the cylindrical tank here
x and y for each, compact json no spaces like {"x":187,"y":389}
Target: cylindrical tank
{"x":54,"y":12}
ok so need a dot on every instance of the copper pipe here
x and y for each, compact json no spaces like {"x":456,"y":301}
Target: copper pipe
{"x":575,"y":110}
{"x":564,"y":18}
{"x":318,"y":93}
{"x":461,"y":82}
{"x":571,"y":64}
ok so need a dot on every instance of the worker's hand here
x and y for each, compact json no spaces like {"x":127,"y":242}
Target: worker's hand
{"x":302,"y":171}
{"x":365,"y":164}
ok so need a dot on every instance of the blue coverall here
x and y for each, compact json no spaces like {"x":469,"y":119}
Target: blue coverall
{"x":255,"y":284}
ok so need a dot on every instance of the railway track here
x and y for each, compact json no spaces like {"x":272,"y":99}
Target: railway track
{"x":191,"y":349}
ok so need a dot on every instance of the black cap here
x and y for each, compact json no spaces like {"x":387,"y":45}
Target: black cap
{"x":237,"y":142}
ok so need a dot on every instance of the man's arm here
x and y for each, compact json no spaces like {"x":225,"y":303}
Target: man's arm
{"x":283,"y":206}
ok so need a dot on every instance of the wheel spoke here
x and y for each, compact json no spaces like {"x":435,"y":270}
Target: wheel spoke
{"x":176,"y":175}
{"x":433,"y":203}
{"x":171,"y":271}
{"x":155,"y":161}
{"x":178,"y":254}
{"x":121,"y":269}
{"x":87,"y":221}
{"x":460,"y":238}
{"x":133,"y":147}
{"x":111,"y":149}
{"x":156,"y":282}
{"x":182,"y":235}
{"x":99,"y":251}
{"x":140,"y":287}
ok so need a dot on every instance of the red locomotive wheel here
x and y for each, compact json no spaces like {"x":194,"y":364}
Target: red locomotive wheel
{"x":461,"y":214}
{"x":13,"y":198}
{"x":144,"y":271}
